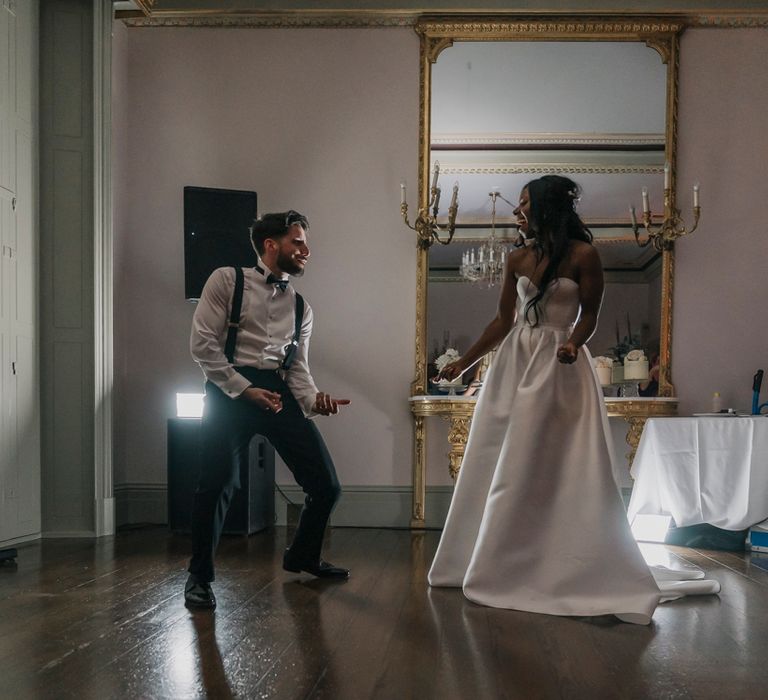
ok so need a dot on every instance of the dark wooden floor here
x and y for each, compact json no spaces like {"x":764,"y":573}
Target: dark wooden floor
{"x":105,"y":619}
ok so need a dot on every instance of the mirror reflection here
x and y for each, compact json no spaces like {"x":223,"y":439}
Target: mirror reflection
{"x":504,"y":113}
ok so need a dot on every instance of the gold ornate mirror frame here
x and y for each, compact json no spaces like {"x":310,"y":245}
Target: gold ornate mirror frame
{"x":436,"y":34}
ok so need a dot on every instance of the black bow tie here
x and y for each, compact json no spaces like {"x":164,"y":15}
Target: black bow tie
{"x":282,"y":284}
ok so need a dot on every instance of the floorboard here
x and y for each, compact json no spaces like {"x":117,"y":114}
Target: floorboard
{"x":105,"y":619}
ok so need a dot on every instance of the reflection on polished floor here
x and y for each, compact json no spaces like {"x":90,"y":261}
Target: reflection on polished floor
{"x":105,"y":619}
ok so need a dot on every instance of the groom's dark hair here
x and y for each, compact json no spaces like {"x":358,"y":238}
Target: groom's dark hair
{"x":275,"y":226}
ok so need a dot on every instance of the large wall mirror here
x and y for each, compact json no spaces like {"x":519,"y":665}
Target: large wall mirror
{"x":504,"y":112}
{"x":504,"y":102}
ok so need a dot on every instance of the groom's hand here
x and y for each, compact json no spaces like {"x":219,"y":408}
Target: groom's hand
{"x":326,"y":405}
{"x":263,"y":398}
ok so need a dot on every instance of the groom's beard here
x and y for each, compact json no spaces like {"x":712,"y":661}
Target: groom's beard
{"x":286,"y":264}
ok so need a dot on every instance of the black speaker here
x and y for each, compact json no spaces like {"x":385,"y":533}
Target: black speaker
{"x":216,"y":233}
{"x":253,"y":506}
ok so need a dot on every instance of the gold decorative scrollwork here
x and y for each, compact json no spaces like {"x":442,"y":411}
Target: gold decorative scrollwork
{"x":636,"y":425}
{"x":457,"y":437}
{"x":419,"y":470}
{"x":549,"y":30}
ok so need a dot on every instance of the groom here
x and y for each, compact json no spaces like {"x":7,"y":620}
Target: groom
{"x":250,"y":335}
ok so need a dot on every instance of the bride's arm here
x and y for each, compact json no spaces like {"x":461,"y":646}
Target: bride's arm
{"x":495,"y":331}
{"x":591,"y":285}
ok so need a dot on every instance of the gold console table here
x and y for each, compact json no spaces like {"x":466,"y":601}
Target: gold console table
{"x":458,"y":410}
{"x":635,"y":412}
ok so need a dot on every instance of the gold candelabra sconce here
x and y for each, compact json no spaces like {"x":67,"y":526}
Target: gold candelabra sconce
{"x":425,"y":225}
{"x":662,"y":236}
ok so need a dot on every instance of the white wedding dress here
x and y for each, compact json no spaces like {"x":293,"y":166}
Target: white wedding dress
{"x":537,"y":522}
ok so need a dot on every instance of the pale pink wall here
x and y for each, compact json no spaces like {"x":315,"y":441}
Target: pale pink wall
{"x":327,"y":120}
{"x":720,"y":310}
{"x":321,"y":120}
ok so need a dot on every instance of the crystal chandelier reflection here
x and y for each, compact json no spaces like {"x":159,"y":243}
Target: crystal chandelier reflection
{"x":485,"y":264}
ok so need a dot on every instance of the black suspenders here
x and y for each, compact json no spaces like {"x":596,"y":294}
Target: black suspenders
{"x":290,"y":349}
{"x":234,"y":317}
{"x":234,"y":323}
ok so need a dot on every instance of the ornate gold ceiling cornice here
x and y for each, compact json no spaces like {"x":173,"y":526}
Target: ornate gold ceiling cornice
{"x":580,"y":24}
{"x":521,"y":28}
{"x":267,"y":20}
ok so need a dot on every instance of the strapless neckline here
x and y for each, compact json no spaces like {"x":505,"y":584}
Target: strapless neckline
{"x":556,"y":279}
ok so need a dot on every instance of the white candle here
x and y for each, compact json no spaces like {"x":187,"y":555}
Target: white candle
{"x":646,"y":203}
{"x":472,"y":257}
{"x":455,"y":194}
{"x":490,"y":256}
{"x":666,"y":176}
{"x":435,"y":174}
{"x":402,"y":193}
{"x":632,"y":216}
{"x":696,"y":195}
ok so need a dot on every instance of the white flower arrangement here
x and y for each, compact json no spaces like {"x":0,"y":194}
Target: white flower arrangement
{"x":603,"y":361}
{"x":450,"y":355}
{"x":603,"y":369}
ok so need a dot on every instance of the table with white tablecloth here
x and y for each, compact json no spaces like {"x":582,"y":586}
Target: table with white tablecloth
{"x":703,"y":470}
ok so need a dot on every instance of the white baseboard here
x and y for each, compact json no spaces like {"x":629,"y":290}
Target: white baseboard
{"x":375,"y":506}
{"x":8,"y":544}
{"x":141,"y":504}
{"x":359,"y":506}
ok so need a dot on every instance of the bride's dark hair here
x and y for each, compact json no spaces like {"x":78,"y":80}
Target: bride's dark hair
{"x":554,"y":223}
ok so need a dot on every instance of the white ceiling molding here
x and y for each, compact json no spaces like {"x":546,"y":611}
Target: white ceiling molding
{"x":584,"y":140}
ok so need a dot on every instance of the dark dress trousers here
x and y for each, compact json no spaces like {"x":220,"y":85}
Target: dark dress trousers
{"x":228,"y":426}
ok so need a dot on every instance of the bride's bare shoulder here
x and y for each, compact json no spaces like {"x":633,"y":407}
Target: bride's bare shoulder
{"x":583,"y":252}
{"x":516,"y":260}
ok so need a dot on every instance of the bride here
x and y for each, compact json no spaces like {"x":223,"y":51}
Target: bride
{"x":536,"y":522}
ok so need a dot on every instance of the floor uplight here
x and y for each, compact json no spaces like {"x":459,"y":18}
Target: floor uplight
{"x":189,"y":405}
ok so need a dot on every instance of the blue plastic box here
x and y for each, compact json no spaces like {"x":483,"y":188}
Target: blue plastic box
{"x":758,"y":537}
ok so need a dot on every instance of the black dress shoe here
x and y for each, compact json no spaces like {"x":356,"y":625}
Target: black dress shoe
{"x":199,"y":594}
{"x":320,"y":568}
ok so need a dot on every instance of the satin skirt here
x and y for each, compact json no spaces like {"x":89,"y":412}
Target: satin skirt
{"x":536,"y":522}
